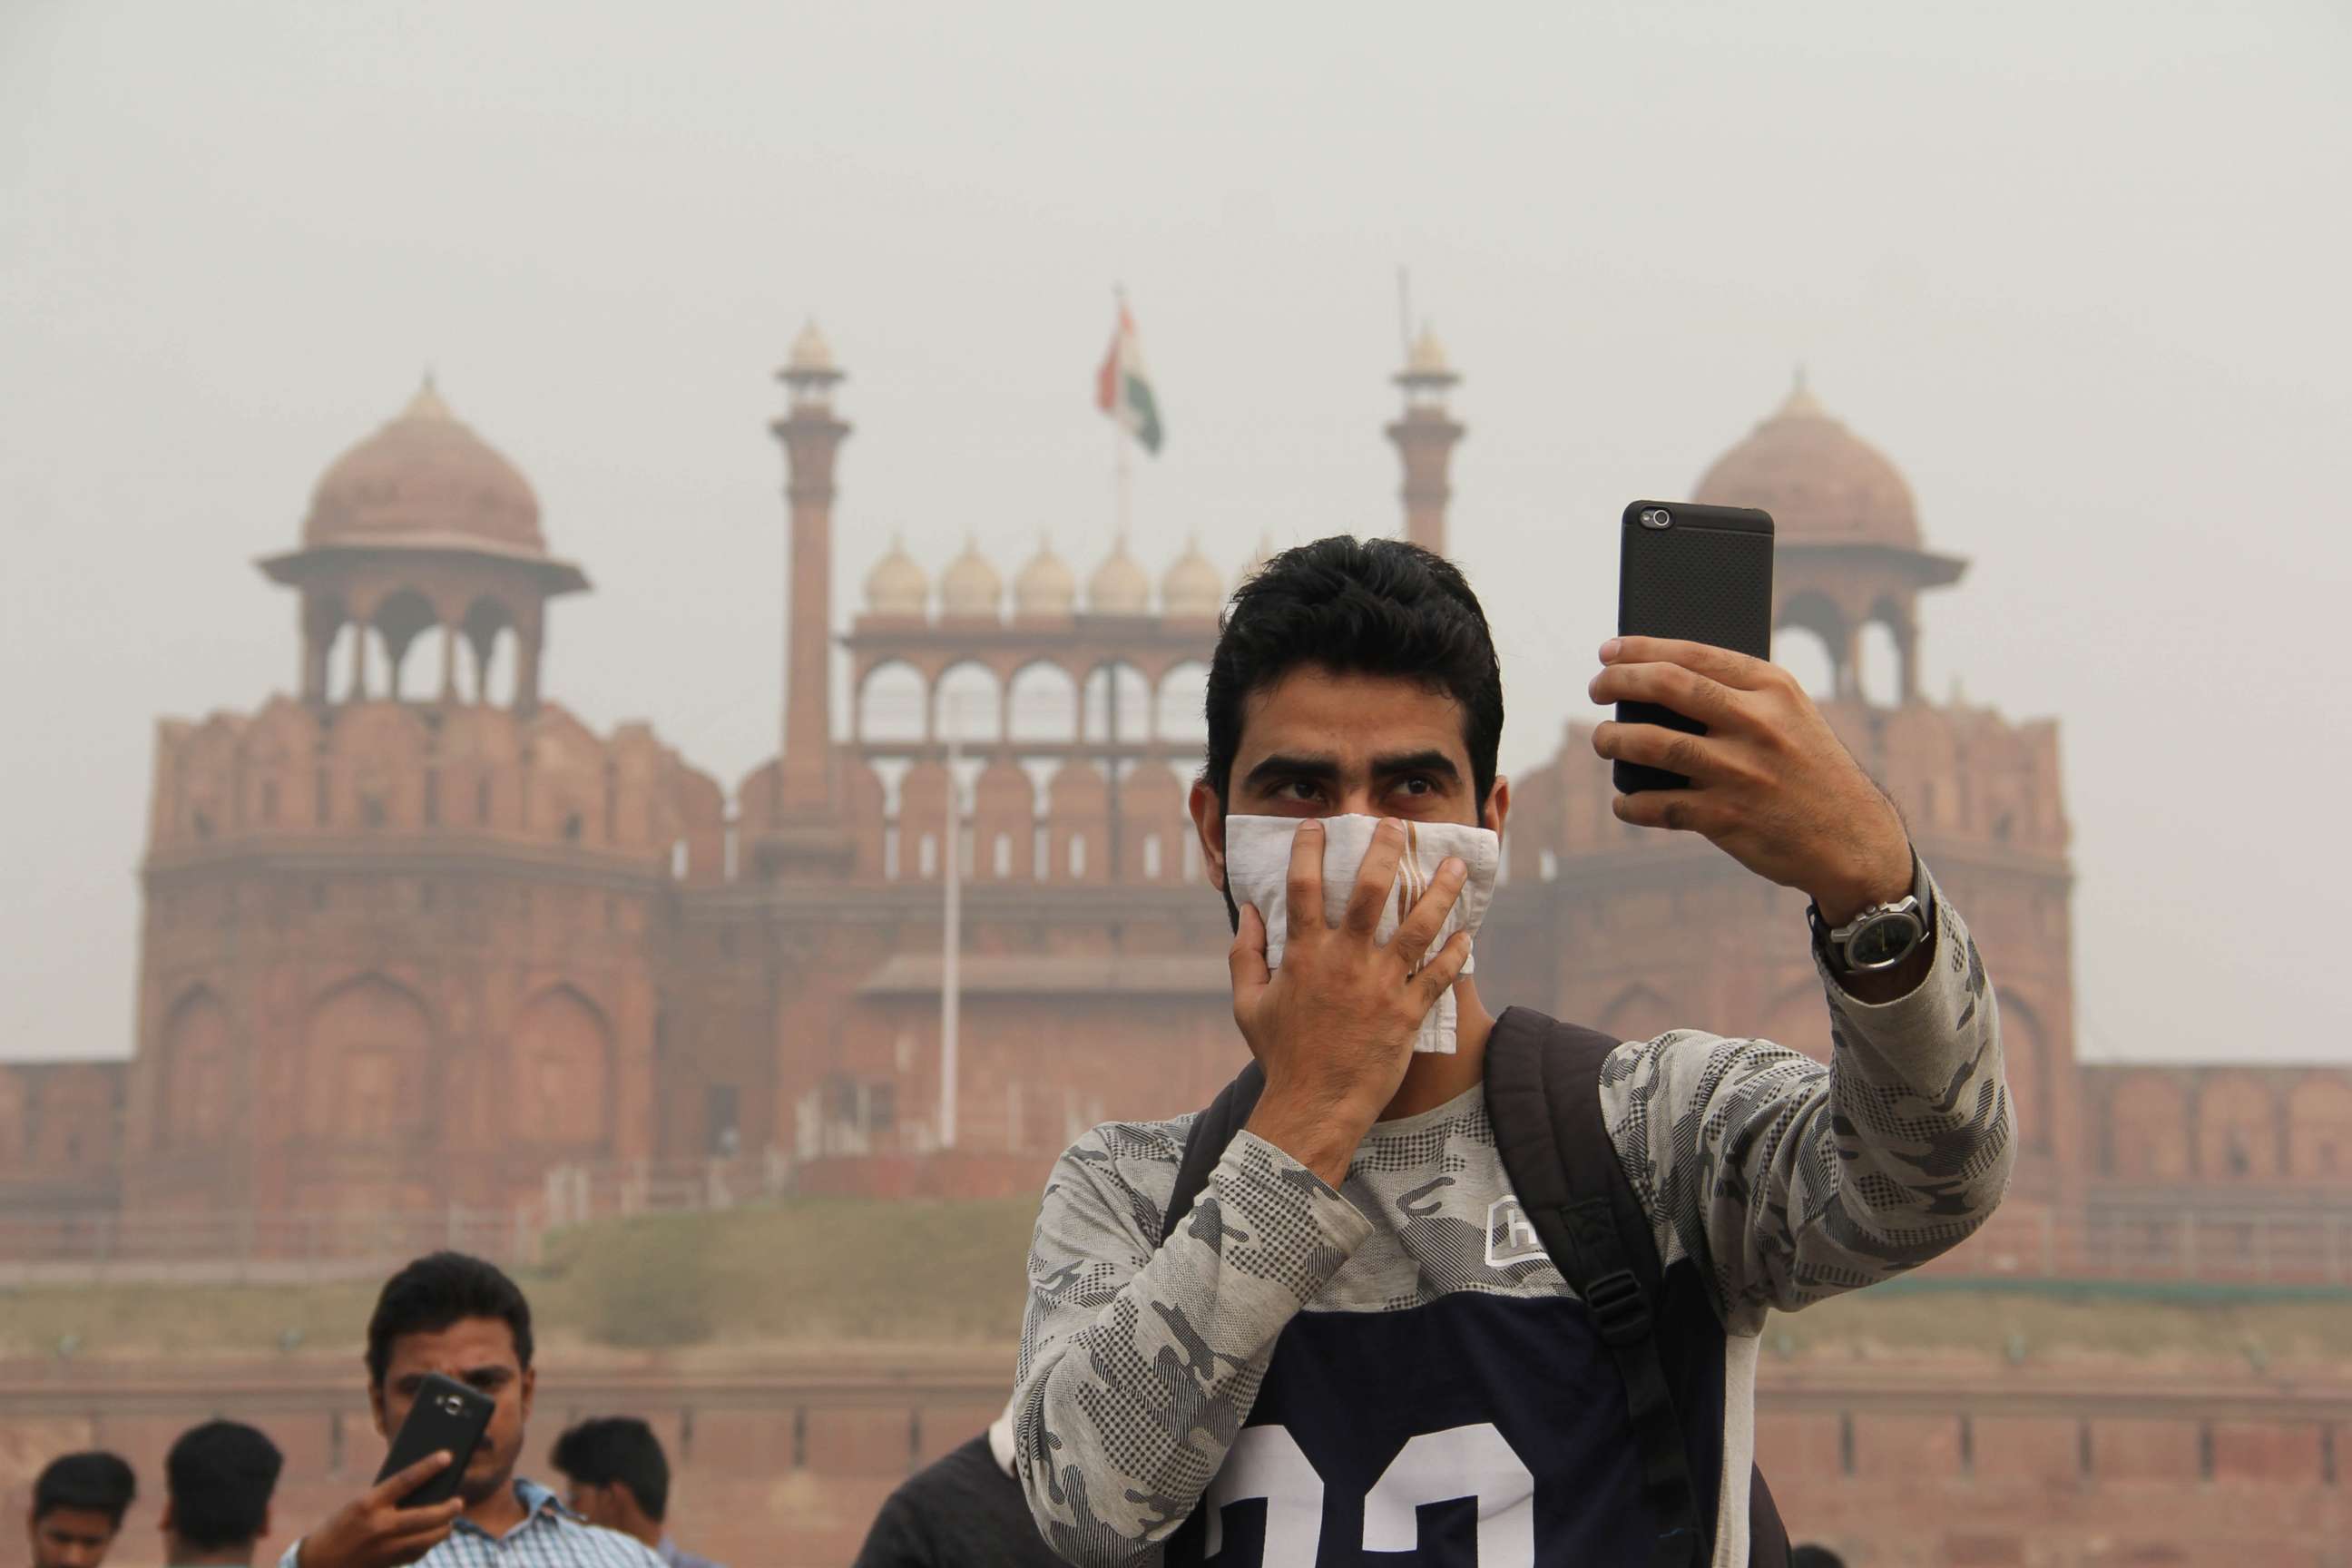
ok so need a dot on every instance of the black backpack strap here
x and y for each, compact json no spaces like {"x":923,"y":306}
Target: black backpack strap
{"x":1543,"y":1097}
{"x":1204,"y":1143}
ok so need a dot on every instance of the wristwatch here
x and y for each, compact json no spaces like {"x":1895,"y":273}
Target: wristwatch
{"x":1881,"y":936}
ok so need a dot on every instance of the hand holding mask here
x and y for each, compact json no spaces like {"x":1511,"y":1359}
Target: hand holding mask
{"x":1257,"y":863}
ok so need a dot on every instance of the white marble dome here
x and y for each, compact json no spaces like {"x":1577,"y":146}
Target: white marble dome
{"x":897,"y":586}
{"x":1192,"y":590}
{"x":1119,"y":586}
{"x":970,"y":587}
{"x":1046,"y":587}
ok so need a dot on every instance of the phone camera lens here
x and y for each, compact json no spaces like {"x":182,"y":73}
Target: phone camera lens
{"x":1656,"y":517}
{"x":453,"y":1405}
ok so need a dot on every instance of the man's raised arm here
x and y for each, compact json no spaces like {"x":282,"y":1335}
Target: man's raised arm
{"x":1788,"y":1181}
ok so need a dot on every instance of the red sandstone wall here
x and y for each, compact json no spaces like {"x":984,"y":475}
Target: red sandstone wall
{"x":1894,"y":1472}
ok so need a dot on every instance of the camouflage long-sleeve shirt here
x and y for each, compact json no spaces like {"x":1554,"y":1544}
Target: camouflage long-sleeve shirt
{"x":1779,"y":1180}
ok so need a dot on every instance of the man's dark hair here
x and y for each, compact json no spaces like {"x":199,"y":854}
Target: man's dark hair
{"x":1357,"y":606}
{"x":1814,"y":1557}
{"x":91,"y":1482}
{"x":220,"y":1475}
{"x":618,"y":1448}
{"x":438,"y":1290}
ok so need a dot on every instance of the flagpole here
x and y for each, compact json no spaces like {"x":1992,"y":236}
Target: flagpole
{"x":1123,"y":499}
{"x":1121,"y":466}
{"x":951,"y":937}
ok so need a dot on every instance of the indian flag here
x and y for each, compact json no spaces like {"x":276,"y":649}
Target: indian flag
{"x":1123,"y":391}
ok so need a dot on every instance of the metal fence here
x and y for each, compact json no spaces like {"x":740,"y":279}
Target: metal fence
{"x":2161,"y":1242}
{"x":2118,"y":1239}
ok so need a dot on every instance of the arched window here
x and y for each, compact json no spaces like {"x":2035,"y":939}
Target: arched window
{"x":967,"y":704}
{"x":890,"y":704}
{"x":489,"y":634}
{"x":1809,"y":641}
{"x":1041,"y":704}
{"x":1152,"y":854}
{"x":195,"y":1061}
{"x":1878,"y":658}
{"x":1001,"y":857}
{"x":561,"y":1071}
{"x":1119,"y":703}
{"x":1181,"y":707}
{"x":400,"y":621}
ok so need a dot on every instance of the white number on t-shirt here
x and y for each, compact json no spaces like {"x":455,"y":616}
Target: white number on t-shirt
{"x":1266,"y":1464}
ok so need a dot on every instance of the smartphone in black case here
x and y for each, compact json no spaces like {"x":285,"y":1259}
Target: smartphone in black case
{"x":446,"y":1415}
{"x":1698,"y":574}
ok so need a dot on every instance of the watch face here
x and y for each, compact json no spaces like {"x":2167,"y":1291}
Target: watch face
{"x":1882,"y":941}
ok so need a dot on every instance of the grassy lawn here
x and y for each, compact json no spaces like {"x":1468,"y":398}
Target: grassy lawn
{"x":831,"y":1271}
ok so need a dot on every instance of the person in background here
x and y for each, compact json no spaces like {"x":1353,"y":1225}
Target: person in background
{"x":463,"y":1319}
{"x":966,"y":1509}
{"x":78,"y":1502}
{"x":217,"y":1479}
{"x":620,"y":1480}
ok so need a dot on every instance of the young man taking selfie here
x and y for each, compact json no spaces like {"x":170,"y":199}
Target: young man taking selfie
{"x":462,"y":1318}
{"x":1358,"y":1330}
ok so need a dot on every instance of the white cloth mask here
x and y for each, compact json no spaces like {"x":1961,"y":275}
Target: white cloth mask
{"x":1257,"y":872}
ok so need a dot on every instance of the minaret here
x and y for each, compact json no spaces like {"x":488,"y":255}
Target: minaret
{"x":812,"y":435}
{"x":1425,"y":436}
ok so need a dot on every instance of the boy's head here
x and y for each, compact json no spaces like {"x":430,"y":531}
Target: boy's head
{"x":464,"y":1319}
{"x":78,"y":1502}
{"x":1352,"y":676}
{"x":619,"y":1476}
{"x":218,"y":1477}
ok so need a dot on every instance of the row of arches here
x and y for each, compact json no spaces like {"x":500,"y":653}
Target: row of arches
{"x":1043,"y":702}
{"x":2161,"y":1125}
{"x":1873,"y":661}
{"x":1024,"y":819}
{"x":368,"y":1072}
{"x":488,"y":651}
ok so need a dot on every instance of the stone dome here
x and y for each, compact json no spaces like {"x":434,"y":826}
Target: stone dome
{"x":1046,"y":587}
{"x":1119,"y":586}
{"x":1192,"y":590}
{"x":897,"y":586}
{"x":424,"y":479}
{"x":1821,"y":483}
{"x":970,"y":586}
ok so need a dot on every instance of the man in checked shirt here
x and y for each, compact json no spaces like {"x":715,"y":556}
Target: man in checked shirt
{"x":462,"y":1318}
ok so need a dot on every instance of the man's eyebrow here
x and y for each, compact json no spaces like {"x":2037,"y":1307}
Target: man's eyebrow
{"x":1432,"y":762}
{"x":1283,"y":766}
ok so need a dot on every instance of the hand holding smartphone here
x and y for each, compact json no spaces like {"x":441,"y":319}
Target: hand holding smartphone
{"x":1695,"y":573}
{"x":446,"y":1417}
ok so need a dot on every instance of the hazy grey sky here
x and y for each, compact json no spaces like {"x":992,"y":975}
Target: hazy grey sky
{"x":2079,"y":269}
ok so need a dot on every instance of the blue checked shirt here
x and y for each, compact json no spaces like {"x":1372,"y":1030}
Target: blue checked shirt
{"x":551,"y":1536}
